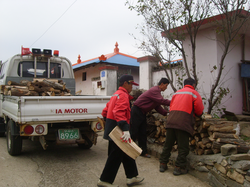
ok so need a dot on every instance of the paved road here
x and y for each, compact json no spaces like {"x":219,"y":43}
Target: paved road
{"x":69,"y":166}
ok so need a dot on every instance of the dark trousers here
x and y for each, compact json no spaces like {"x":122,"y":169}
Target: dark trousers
{"x":182,"y":138}
{"x":138,"y":128}
{"x":115,"y":157}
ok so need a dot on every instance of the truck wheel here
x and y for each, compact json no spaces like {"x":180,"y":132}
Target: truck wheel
{"x":87,"y":145}
{"x":14,"y":142}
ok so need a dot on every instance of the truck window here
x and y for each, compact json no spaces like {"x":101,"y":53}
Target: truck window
{"x":27,"y":69}
{"x":2,"y":70}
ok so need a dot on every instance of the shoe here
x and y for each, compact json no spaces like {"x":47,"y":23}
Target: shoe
{"x":146,"y":155}
{"x":134,"y":181}
{"x":180,"y":171}
{"x":105,"y":184}
{"x":163,"y":167}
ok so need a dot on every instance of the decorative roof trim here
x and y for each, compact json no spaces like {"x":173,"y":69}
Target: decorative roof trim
{"x":108,"y":68}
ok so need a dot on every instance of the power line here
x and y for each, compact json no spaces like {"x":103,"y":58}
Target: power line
{"x":54,"y":23}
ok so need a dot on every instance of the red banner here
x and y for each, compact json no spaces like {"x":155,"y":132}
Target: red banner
{"x":25,"y":51}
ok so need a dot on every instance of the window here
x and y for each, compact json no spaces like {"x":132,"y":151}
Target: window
{"x":27,"y":68}
{"x":2,"y":70}
{"x":84,"y":76}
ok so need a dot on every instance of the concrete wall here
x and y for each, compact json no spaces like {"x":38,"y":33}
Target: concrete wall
{"x":88,"y":87}
{"x":107,"y":77}
{"x":208,"y":55}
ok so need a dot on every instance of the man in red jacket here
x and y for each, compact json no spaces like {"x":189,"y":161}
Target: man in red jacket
{"x":117,"y":112}
{"x":185,"y":104}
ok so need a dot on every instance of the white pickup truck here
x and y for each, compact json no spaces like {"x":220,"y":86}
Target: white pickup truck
{"x":60,"y":119}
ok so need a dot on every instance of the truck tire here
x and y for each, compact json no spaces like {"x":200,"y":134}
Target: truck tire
{"x":14,"y":142}
{"x":86,"y":145}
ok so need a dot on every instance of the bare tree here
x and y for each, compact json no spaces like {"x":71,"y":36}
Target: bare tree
{"x":179,"y":20}
{"x":233,"y":18}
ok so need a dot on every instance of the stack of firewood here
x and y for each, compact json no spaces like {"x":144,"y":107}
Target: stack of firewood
{"x":211,"y":134}
{"x":156,"y":131}
{"x":37,"y":87}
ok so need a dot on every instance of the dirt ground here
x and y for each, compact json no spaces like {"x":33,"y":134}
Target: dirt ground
{"x":68,"y":165}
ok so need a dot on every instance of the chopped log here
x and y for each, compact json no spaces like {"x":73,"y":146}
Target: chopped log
{"x":215,"y":151}
{"x":15,"y":86}
{"x":44,"y":94}
{"x":217,"y":145}
{"x":197,"y":138}
{"x":55,"y":84}
{"x":210,"y":133}
{"x":208,"y":151}
{"x":36,"y":88}
{"x":158,"y":132}
{"x":32,"y":93}
{"x":78,"y":92}
{"x":230,"y":141}
{"x":47,"y":89}
{"x":193,"y":142}
{"x":161,"y":140}
{"x":51,"y":93}
{"x":224,"y":135}
{"x":25,"y":82}
{"x":163,"y":132}
{"x":201,"y":129}
{"x":207,"y":116}
{"x":57,"y":91}
{"x":201,"y":145}
{"x":41,"y":84}
{"x":211,"y":138}
{"x":205,"y":125}
{"x":18,"y":92}
{"x":209,"y":145}
{"x":157,"y":123}
{"x":204,"y":134}
{"x":241,"y":148}
{"x":200,"y":151}
{"x":205,"y":140}
{"x":222,"y":128}
{"x":13,"y":83}
{"x":41,"y":80}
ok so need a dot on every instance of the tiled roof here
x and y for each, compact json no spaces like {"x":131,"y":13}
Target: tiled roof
{"x":113,"y":58}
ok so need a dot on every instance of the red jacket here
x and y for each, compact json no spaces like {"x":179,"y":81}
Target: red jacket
{"x":117,"y":111}
{"x":185,"y":104}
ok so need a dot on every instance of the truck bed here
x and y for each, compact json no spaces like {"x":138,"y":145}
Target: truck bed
{"x":53,"y":109}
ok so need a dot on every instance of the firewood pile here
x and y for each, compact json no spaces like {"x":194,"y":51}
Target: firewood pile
{"x":156,"y":132}
{"x":211,"y":134}
{"x":37,"y":87}
{"x":208,"y":137}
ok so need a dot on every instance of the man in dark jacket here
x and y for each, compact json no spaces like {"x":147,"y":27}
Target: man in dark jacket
{"x":117,"y":112}
{"x":151,"y":99}
{"x":185,"y":104}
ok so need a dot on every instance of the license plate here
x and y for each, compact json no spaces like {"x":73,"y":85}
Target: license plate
{"x":68,"y":134}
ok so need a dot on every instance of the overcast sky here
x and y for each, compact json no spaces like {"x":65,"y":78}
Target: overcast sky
{"x":86,"y":27}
